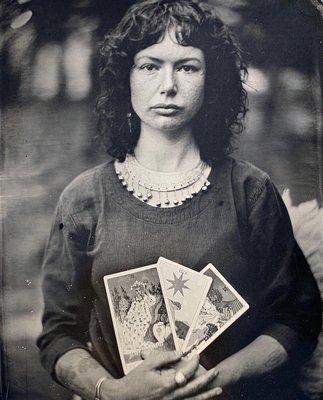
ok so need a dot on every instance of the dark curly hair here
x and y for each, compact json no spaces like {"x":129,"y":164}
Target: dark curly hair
{"x":196,"y":24}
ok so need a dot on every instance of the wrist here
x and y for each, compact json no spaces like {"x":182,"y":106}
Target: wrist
{"x":111,"y":389}
{"x":229,"y":374}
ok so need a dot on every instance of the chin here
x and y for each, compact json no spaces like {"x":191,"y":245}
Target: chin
{"x":170,"y":124}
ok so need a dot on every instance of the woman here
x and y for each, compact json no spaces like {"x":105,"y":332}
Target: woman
{"x":172,"y":100}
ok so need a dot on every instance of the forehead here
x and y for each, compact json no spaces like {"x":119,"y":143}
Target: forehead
{"x":168,"y":49}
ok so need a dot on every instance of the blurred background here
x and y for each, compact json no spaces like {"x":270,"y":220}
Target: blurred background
{"x":48,"y":52}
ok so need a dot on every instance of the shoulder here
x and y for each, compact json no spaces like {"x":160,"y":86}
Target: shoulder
{"x":258,"y":191}
{"x":85,"y":191}
{"x":250,"y":184}
{"x":248,"y":174}
{"x":250,"y":179}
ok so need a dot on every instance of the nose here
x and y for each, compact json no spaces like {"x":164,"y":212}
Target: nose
{"x":168,"y":84}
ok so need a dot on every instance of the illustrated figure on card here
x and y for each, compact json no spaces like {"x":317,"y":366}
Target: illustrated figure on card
{"x":222,"y":306}
{"x":139,"y":314}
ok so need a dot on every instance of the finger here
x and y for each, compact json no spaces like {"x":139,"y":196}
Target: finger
{"x":188,"y":352}
{"x":161,"y":359}
{"x":145,"y":354}
{"x":195,"y":386}
{"x":179,"y":365}
{"x":188,"y":369}
{"x":210,"y":394}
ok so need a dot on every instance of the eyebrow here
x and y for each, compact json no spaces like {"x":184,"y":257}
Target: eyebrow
{"x":180,"y":61}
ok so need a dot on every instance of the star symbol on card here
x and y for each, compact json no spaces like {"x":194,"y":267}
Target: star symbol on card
{"x":178,"y":284}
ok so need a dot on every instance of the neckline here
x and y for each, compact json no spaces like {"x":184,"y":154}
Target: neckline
{"x":171,"y":215}
{"x":170,"y":173}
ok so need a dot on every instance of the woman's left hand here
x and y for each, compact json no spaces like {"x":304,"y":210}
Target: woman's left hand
{"x":215,"y":388}
{"x":200,"y":387}
{"x":222,"y":378}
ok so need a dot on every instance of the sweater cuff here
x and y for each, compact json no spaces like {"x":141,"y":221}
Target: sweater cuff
{"x":56,"y":349}
{"x":285,"y":335}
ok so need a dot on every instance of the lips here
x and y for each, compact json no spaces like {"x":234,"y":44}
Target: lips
{"x":162,"y":106}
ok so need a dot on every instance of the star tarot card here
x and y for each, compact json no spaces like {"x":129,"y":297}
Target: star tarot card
{"x":184,"y":291}
{"x":139,"y":314}
{"x":223,"y":305}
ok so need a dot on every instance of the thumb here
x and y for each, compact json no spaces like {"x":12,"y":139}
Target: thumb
{"x":145,"y":354}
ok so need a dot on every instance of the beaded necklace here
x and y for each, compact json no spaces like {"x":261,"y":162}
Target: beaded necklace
{"x":162,"y":189}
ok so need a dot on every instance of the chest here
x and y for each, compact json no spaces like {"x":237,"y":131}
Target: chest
{"x":124,"y":242}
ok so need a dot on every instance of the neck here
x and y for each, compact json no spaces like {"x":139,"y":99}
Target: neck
{"x":167,"y":151}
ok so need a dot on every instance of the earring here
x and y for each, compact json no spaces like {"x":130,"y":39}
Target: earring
{"x":206,"y":118}
{"x":129,"y":119}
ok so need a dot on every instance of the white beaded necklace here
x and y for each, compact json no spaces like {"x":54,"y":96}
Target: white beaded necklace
{"x":162,"y":189}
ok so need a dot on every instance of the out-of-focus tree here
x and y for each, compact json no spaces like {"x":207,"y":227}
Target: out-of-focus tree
{"x":46,"y":22}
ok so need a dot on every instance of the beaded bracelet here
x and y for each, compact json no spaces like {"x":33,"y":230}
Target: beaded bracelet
{"x":97,"y":395}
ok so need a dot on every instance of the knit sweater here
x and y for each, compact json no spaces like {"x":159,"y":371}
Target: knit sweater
{"x":240,"y":225}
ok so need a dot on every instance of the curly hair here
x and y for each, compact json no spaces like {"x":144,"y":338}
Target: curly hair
{"x":196,"y":24}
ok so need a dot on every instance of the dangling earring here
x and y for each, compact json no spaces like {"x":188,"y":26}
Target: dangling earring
{"x":129,"y":119}
{"x":206,"y":119}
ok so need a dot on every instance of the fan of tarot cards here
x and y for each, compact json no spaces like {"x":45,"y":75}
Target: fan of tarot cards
{"x":167,"y":306}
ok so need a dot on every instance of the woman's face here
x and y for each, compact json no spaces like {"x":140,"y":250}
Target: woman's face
{"x":167,"y":84}
{"x":226,"y":294}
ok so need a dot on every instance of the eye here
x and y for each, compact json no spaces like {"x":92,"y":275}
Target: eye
{"x":188,"y":68}
{"x":149,"y":67}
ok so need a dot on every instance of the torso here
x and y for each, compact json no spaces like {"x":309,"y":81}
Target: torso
{"x":131,"y":234}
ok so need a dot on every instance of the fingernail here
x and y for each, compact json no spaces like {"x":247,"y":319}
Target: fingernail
{"x":215,"y":372}
{"x":218,"y":391}
{"x":178,"y":353}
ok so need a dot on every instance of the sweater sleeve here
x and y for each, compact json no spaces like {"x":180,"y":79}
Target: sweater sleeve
{"x":66,"y":289}
{"x":290,"y":297}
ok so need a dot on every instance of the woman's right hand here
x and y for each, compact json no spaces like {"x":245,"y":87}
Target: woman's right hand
{"x":153,"y":379}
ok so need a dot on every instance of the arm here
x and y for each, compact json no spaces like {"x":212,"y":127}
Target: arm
{"x":66,"y":289}
{"x":289,"y":296}
{"x":79,"y":371}
{"x":261,"y":356}
{"x":289,"y":299}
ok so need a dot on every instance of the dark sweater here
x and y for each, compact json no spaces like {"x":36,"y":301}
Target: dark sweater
{"x":240,"y":225}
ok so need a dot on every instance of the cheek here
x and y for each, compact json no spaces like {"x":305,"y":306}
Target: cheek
{"x":136,"y":93}
{"x":142,"y":92}
{"x":195,"y":94}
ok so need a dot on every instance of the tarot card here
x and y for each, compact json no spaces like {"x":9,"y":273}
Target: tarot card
{"x":139,"y":314}
{"x":184,"y":291}
{"x":223,"y":305}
